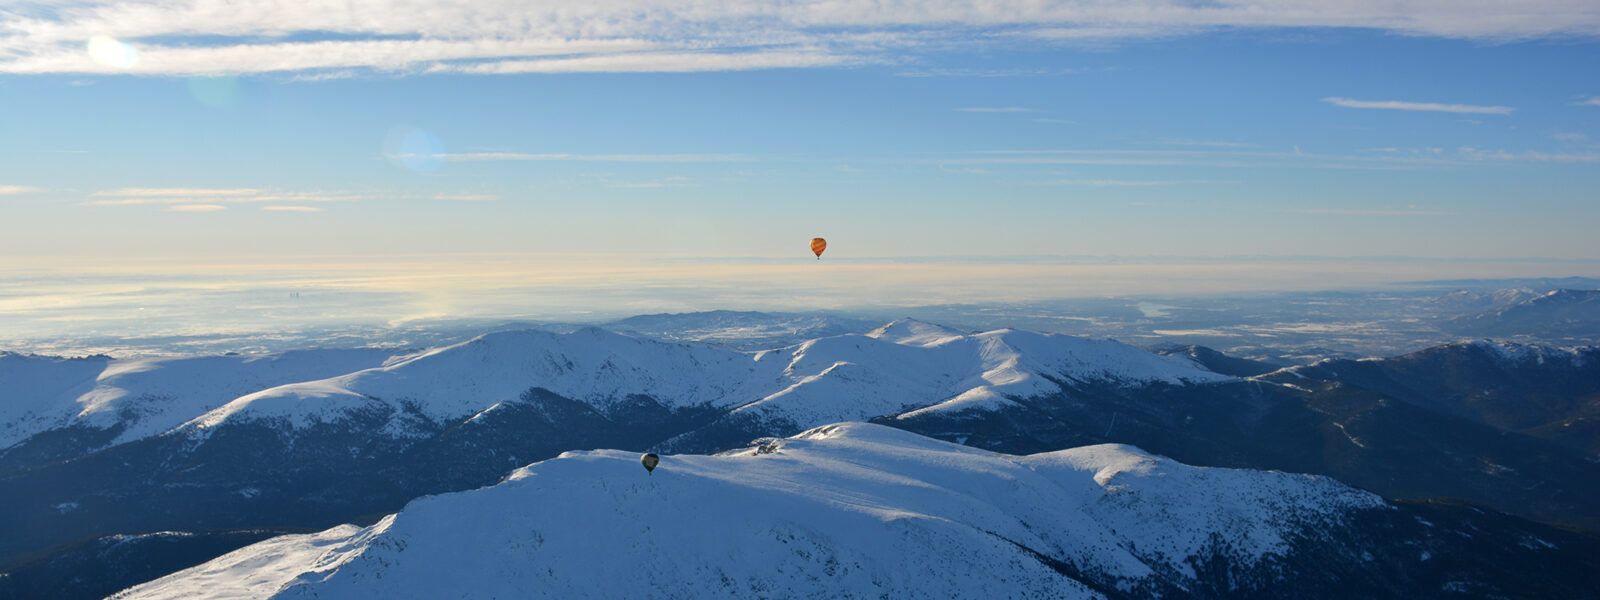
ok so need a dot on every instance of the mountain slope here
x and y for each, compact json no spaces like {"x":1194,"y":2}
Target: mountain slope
{"x":1218,"y":362}
{"x":856,"y":510}
{"x":1412,"y":427}
{"x":99,"y":567}
{"x":595,"y":366}
{"x":1557,"y":314}
{"x":776,"y":392}
{"x":33,"y":390}
{"x":1539,"y":391}
{"x":91,"y":402}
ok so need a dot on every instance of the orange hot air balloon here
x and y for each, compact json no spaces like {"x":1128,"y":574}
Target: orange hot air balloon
{"x":818,"y":245}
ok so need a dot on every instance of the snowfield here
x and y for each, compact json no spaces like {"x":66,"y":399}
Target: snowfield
{"x":841,"y":511}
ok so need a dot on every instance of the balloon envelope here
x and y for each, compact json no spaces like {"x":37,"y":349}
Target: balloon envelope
{"x":650,"y":461}
{"x":818,"y":245}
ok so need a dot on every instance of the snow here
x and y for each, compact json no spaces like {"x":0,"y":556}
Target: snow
{"x":148,"y":396}
{"x":33,"y":388}
{"x":591,"y":365}
{"x":262,"y":567}
{"x":847,"y":510}
{"x":153,"y":396}
{"x":1513,"y":352}
{"x":912,"y":332}
{"x":906,"y":365}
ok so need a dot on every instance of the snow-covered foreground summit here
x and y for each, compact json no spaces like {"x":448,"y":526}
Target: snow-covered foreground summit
{"x":849,"y":510}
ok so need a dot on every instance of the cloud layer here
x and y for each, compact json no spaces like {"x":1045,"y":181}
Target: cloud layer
{"x":328,"y":38}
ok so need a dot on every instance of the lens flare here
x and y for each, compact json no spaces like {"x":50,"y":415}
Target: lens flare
{"x":113,"y":53}
{"x":414,"y":149}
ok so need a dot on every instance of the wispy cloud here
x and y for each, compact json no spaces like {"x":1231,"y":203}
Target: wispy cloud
{"x":997,"y":109}
{"x":1096,"y":34}
{"x":188,"y":37}
{"x":13,"y":190}
{"x":294,"y":209}
{"x":1594,"y":101}
{"x":1208,"y":157}
{"x":662,"y":62}
{"x":564,"y":157}
{"x":466,"y":197}
{"x":178,"y":192}
{"x":196,"y":208}
{"x":213,"y":196}
{"x":1409,"y":211}
{"x":1536,"y":156}
{"x":315,"y":76}
{"x":1463,"y":109}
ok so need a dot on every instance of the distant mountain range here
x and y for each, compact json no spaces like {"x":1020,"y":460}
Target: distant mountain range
{"x":1558,"y":312}
{"x":221,"y":447}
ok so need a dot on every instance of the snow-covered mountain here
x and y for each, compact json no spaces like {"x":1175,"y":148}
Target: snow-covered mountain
{"x":1556,"y":314}
{"x":341,"y":444}
{"x":842,"y":511}
{"x":328,"y":449}
{"x":905,"y":365}
{"x":31,"y":399}
{"x":134,"y":398}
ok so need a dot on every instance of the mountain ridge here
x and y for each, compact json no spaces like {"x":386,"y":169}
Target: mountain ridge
{"x":852,"y":510}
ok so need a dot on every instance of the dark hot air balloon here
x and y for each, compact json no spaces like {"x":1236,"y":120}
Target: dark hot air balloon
{"x":818,"y":245}
{"x":649,"y":461}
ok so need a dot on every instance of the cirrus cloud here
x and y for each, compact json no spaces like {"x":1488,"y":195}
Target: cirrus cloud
{"x":308,"y":40}
{"x":196,"y":208}
{"x":466,"y":197}
{"x":293,"y":209}
{"x":212,"y":196}
{"x":1460,"y":109}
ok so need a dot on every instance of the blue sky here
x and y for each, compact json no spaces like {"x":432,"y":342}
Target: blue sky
{"x":177,"y":130}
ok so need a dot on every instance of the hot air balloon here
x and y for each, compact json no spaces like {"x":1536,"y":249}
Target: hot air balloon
{"x":650,"y":461}
{"x":818,"y":245}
